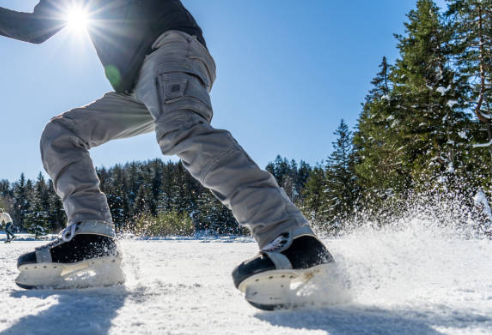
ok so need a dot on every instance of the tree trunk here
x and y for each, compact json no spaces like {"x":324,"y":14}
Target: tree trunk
{"x":478,"y":108}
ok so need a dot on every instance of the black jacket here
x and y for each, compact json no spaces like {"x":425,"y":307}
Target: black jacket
{"x":122,"y":31}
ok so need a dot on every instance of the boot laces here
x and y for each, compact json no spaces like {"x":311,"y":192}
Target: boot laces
{"x":277,"y":244}
{"x":66,"y":235}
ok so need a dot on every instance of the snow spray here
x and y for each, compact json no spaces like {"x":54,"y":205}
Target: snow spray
{"x":433,"y":253}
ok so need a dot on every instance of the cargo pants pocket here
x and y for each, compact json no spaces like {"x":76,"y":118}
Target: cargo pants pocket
{"x":183,"y":91}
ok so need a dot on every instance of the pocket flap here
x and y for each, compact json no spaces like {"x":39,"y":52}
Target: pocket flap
{"x":174,"y":89}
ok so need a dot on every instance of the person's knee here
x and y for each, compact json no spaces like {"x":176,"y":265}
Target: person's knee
{"x":58,"y":141}
{"x":175,"y":129}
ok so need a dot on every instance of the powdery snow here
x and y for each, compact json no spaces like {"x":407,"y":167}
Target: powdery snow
{"x":480,"y":200}
{"x":463,"y":134}
{"x":414,"y":280}
{"x":483,"y":145}
{"x":443,"y":90}
{"x":451,"y":103}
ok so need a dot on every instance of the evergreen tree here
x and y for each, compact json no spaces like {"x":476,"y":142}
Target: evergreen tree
{"x":166,"y":198}
{"x":118,"y":200}
{"x":341,"y":188}
{"x":282,"y":169}
{"x":142,"y":203}
{"x":471,"y":28}
{"x":381,"y":83}
{"x":290,"y":176}
{"x":378,"y":160}
{"x":4,"y":188}
{"x":156,"y":170}
{"x":430,"y":120}
{"x":56,"y":213}
{"x":214,"y":217}
{"x":179,"y":201}
{"x":302,"y":176}
{"x":36,"y":219}
{"x":22,"y":200}
{"x":5,"y":195}
{"x":315,"y":203}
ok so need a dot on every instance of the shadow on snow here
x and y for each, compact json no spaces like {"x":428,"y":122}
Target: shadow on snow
{"x":367,"y":320}
{"x":88,"y":311}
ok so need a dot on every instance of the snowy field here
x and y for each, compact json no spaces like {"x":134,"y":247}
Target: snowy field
{"x":419,"y":280}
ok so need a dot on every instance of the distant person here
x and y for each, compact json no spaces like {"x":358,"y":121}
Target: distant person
{"x":7,"y":220}
{"x":155,"y":57}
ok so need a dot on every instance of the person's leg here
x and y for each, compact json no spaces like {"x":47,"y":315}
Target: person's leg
{"x":8,"y":232}
{"x":85,"y":254}
{"x":174,"y":85}
{"x":65,"y":145}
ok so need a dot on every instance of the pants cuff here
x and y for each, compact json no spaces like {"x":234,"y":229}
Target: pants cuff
{"x":295,"y":230}
{"x":96,"y":227}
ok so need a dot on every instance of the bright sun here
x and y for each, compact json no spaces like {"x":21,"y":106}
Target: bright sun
{"x":77,"y":19}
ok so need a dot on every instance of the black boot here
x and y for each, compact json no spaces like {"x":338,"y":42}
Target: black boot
{"x":267,"y":277}
{"x":72,"y":254}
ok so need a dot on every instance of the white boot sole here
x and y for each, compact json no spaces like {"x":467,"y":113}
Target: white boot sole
{"x":98,"y":272}
{"x":280,"y":289}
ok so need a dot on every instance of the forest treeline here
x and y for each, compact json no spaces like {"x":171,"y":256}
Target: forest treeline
{"x":424,"y":132}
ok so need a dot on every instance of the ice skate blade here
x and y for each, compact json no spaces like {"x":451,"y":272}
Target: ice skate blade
{"x":98,"y":272}
{"x":277,"y":289}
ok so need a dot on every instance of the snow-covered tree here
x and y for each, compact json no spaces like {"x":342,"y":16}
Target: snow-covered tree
{"x":429,"y":116}
{"x":315,"y":204}
{"x":378,"y":158}
{"x":471,"y":28}
{"x":37,"y":217}
{"x":22,"y":195}
{"x":341,"y":189}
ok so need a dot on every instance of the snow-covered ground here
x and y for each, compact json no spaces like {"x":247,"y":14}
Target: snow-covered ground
{"x":418,"y":280}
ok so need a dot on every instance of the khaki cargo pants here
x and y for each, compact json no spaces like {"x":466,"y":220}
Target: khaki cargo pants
{"x":172,"y":99}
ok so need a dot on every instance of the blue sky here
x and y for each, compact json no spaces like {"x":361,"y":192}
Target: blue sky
{"x":288,"y":72}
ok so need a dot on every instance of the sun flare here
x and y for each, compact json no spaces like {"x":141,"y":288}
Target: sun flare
{"x":77,"y":19}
